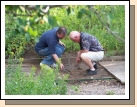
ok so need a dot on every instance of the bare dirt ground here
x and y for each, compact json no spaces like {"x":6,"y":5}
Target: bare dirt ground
{"x":74,"y":70}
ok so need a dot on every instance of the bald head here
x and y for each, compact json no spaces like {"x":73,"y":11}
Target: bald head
{"x":75,"y":36}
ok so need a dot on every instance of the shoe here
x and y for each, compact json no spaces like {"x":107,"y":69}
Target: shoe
{"x":95,"y":66}
{"x":53,"y":65}
{"x":87,"y":70}
{"x":45,"y":67}
{"x":40,"y":64}
{"x":90,"y":72}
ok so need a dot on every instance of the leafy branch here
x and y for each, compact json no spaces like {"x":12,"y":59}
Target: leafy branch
{"x":28,"y":8}
{"x":106,"y":26}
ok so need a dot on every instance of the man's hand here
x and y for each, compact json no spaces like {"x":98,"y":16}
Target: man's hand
{"x":58,"y":60}
{"x":78,"y":59}
{"x":61,"y":66}
{"x":61,"y":43}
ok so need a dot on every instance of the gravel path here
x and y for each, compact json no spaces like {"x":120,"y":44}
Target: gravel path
{"x":96,"y":87}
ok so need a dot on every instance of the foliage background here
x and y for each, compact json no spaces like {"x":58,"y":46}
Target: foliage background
{"x":24,"y":26}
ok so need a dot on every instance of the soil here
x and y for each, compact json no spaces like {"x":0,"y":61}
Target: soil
{"x":30,"y":53}
{"x":74,"y":70}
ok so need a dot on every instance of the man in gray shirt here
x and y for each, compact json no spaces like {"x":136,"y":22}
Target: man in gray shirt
{"x":90,"y":50}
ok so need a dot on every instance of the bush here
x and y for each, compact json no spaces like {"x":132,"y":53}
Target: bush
{"x":48,"y":82}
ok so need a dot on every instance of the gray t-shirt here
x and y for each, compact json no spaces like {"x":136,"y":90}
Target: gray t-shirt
{"x":89,"y":42}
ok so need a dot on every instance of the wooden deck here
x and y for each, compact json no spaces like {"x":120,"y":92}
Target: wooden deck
{"x":116,"y":68}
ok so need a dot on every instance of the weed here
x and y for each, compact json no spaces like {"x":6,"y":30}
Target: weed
{"x":110,"y":93}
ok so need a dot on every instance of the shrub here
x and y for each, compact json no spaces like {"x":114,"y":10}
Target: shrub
{"x":48,"y":82}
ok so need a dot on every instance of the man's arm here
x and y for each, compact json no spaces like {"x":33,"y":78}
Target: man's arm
{"x":61,"y":43}
{"x":78,"y":59}
{"x":81,"y":51}
{"x":58,"y":60}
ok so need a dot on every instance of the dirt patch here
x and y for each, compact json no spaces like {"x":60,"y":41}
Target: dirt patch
{"x":78,"y":71}
{"x":74,"y":70}
{"x":30,"y":53}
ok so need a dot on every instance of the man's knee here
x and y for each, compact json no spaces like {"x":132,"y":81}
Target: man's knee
{"x":59,"y":51}
{"x":62,"y":48}
{"x":83,"y":55}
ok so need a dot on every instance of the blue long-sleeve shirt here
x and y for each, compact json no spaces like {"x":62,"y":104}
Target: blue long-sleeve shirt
{"x":48,"y":39}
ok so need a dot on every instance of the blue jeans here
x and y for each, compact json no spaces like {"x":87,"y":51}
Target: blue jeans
{"x":49,"y":58}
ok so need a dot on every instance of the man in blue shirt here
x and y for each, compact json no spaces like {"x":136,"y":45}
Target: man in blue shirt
{"x":90,"y":50}
{"x":49,"y":45}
